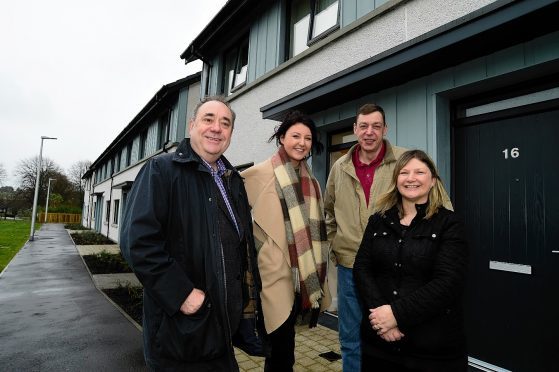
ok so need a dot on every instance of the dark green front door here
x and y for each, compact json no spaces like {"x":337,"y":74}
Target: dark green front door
{"x":506,"y":177}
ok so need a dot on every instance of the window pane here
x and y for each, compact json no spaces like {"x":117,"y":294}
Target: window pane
{"x":299,"y":26}
{"x":128,"y":154}
{"x":344,"y":137}
{"x":107,"y":211}
{"x":242,"y":64}
{"x":115,"y":211}
{"x":326,"y":16}
{"x":230,"y":61}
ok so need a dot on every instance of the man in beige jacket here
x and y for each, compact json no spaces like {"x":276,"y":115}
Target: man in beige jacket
{"x":355,"y":182}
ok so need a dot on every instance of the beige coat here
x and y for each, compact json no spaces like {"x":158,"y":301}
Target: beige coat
{"x":273,"y":257}
{"x":346,"y":210}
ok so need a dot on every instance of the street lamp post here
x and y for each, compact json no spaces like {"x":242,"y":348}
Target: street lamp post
{"x":32,"y":235}
{"x":47,"y":203}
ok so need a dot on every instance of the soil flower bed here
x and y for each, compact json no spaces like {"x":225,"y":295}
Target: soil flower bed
{"x":106,"y":263}
{"x":129,"y":299}
{"x":90,"y":238}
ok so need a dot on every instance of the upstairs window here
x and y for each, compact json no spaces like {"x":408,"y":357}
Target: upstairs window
{"x":117,"y":162}
{"x":310,"y":21}
{"x":163,"y":130}
{"x":111,"y":168}
{"x":143,"y":144}
{"x":236,"y":65}
{"x":128,"y":154}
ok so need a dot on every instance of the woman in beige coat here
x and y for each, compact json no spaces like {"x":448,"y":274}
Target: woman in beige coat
{"x":290,"y":235}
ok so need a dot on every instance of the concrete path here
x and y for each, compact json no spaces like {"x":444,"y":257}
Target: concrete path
{"x":52,"y":318}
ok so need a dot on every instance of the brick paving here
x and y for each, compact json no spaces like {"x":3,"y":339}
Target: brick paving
{"x":309,"y":343}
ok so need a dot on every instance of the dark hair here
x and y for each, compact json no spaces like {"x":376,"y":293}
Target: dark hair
{"x":369,"y":108}
{"x":221,"y":99}
{"x":296,"y":117}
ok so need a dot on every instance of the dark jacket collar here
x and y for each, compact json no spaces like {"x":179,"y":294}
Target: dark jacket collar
{"x":421,"y":209}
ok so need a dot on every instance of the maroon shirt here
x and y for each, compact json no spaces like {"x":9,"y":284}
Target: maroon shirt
{"x":366,"y":172}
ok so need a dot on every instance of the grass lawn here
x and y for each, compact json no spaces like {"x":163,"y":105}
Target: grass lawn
{"x":13,"y":235}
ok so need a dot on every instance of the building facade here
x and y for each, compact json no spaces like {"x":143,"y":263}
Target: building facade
{"x":475,"y":83}
{"x":158,"y":128}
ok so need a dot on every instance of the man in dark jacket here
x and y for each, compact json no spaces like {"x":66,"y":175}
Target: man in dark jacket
{"x":186,"y":233}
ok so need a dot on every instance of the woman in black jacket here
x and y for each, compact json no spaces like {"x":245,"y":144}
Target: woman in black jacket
{"x":410,"y":273}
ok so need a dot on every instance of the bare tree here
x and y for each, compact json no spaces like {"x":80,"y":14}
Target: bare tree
{"x":27,"y":173}
{"x":3,"y":174}
{"x":76,"y":172}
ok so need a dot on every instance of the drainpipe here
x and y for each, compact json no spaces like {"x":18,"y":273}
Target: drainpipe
{"x":110,"y":200}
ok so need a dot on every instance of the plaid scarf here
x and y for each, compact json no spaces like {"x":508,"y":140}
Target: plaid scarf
{"x":304,"y":224}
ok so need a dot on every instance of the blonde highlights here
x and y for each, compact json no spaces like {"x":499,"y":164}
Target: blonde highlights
{"x":393,"y":198}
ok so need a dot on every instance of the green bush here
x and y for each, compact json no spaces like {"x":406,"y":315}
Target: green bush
{"x":90,"y":238}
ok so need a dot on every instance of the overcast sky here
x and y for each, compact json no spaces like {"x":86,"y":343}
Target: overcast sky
{"x":81,"y":70}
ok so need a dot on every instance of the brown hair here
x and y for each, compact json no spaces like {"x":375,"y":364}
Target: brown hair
{"x":369,"y":108}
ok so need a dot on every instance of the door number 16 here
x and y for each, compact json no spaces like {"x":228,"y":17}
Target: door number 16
{"x":513,"y":153}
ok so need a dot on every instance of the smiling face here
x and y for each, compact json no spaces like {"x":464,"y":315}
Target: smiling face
{"x":415,"y":181}
{"x":297,"y":142}
{"x":210,"y":130}
{"x":370,"y":130}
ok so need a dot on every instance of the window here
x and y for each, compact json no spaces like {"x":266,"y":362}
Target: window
{"x":236,"y":65}
{"x":115,"y":211}
{"x":107,"y":210}
{"x":128,"y":154}
{"x":143,"y":144}
{"x":340,"y":143}
{"x":124,"y":199}
{"x":311,"y":20}
{"x":117,"y":162}
{"x":325,"y":17}
{"x":163,"y":130}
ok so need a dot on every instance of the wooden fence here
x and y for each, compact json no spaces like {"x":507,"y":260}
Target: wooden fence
{"x":60,"y":218}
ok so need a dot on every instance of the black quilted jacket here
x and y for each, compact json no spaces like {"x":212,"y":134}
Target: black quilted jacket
{"x":419,"y":271}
